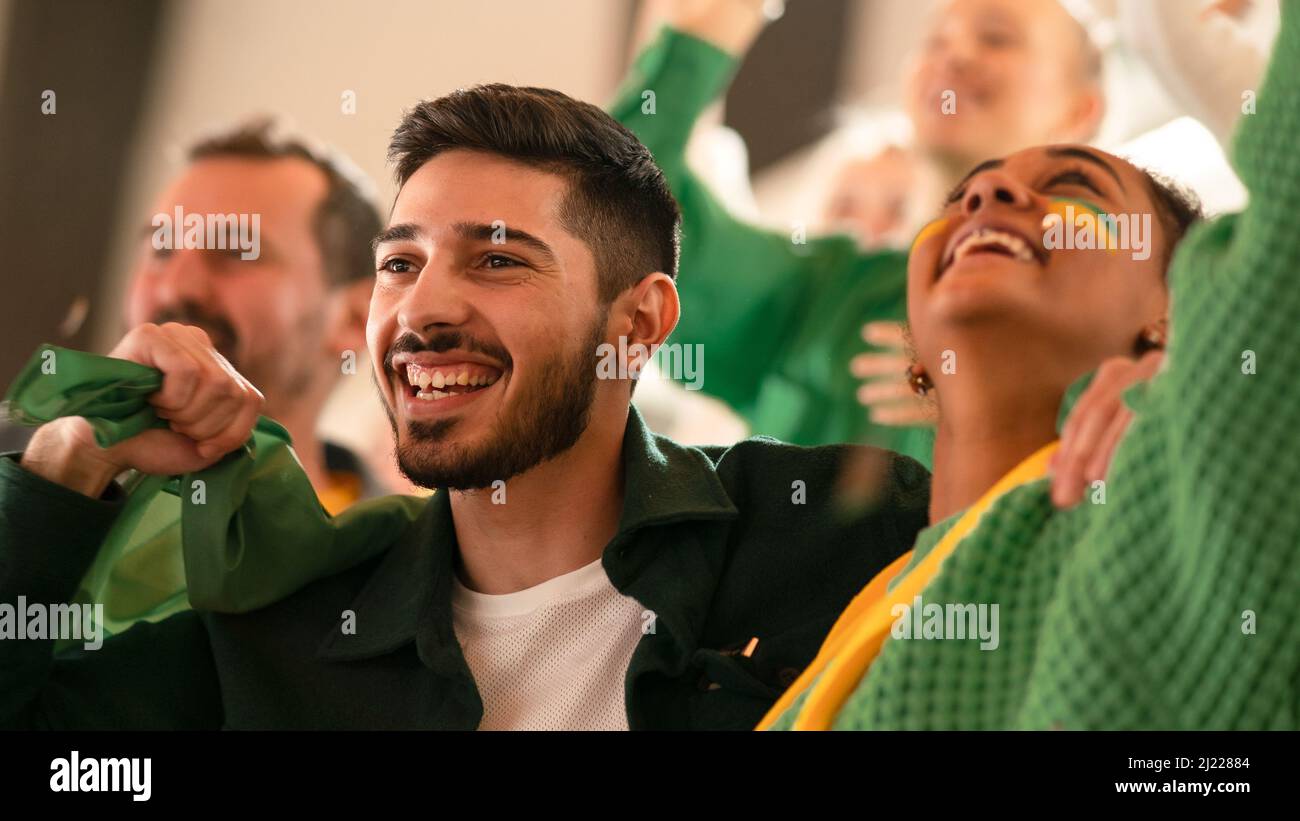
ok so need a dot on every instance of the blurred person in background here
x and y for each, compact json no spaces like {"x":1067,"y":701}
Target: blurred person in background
{"x":780,"y":316}
{"x":1203,"y":62}
{"x":294,"y":317}
{"x":291,"y":319}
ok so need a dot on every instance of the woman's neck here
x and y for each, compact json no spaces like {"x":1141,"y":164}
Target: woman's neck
{"x":984,"y":431}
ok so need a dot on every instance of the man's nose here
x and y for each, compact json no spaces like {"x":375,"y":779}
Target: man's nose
{"x":992,"y":186}
{"x":437,"y":300}
{"x":956,"y":54}
{"x":182,"y":277}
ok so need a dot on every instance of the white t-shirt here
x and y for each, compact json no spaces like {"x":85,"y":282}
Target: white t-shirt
{"x":552,"y":657}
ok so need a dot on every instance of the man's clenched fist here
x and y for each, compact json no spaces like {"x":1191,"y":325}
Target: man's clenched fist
{"x":209,"y":407}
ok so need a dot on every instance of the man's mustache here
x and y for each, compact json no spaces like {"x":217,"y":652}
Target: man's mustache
{"x":218,"y":328}
{"x":444,"y":341}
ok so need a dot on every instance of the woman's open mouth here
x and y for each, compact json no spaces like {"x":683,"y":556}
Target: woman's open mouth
{"x":991,"y":241}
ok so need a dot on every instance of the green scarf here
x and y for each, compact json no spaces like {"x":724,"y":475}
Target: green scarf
{"x":236,"y":536}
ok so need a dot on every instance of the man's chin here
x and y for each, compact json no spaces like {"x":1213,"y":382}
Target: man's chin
{"x":431,"y":457}
{"x":450,"y":474}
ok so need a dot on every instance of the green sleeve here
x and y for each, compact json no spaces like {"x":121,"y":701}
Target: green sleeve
{"x":157,"y":676}
{"x":1185,"y":584}
{"x":1230,"y":401}
{"x":745,"y":291}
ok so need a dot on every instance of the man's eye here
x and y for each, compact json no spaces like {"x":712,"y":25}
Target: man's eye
{"x":396,"y":265}
{"x":499,"y":261}
{"x":996,"y":39}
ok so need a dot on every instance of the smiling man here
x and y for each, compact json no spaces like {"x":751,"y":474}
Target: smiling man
{"x":275,"y":268}
{"x":574,"y":571}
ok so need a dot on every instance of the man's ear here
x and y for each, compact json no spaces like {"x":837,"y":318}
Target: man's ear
{"x":649,"y":310}
{"x":1083,"y":120}
{"x":348,"y":307}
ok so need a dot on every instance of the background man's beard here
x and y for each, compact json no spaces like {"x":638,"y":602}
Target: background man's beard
{"x":218,"y":328}
{"x":547,"y":419}
{"x":284,"y":378}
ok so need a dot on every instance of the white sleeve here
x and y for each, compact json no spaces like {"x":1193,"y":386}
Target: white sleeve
{"x":1204,"y":64}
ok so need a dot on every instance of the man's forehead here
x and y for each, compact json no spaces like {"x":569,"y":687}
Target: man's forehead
{"x":275,"y":187}
{"x":1000,"y":10}
{"x":469,"y":187}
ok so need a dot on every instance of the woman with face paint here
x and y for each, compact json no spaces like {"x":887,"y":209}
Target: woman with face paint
{"x":1170,"y":596}
{"x":780,"y":315}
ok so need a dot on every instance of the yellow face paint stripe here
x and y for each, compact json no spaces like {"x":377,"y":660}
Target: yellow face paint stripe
{"x":929,"y":230}
{"x":1061,"y":205}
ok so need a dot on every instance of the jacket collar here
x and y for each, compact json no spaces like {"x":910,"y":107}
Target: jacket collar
{"x":408,"y":596}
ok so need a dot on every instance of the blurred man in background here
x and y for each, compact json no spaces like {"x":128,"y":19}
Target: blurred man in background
{"x":291,"y":316}
{"x":293,"y":319}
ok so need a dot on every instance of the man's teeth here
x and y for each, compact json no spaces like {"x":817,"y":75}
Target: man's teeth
{"x":986,"y":237}
{"x":427,"y":382}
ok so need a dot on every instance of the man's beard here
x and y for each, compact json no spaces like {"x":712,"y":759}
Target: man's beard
{"x":547,"y":418}
{"x":286,"y":377}
{"x":218,"y":328}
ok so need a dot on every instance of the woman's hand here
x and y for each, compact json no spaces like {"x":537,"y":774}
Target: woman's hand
{"x":1096,"y":425}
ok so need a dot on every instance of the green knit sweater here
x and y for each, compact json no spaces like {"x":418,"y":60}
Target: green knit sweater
{"x":778,"y":318}
{"x":1176,"y":602}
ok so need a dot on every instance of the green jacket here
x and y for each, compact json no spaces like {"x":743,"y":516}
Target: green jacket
{"x":720,"y":545}
{"x":1173,"y":600}
{"x":778,"y":320}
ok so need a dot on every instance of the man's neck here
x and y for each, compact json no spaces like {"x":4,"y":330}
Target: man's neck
{"x":986,"y":428}
{"x":547,"y":521}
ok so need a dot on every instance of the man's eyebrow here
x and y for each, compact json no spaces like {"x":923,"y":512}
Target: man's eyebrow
{"x":396,"y":233}
{"x":1079,"y":153}
{"x":479,"y":230}
{"x":984,"y":166}
{"x":265,"y":244}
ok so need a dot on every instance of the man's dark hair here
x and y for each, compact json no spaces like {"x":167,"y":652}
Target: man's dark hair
{"x":346,"y":219}
{"x":618,"y":201}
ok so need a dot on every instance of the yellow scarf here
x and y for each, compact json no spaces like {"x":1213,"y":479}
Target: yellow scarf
{"x":860,"y":631}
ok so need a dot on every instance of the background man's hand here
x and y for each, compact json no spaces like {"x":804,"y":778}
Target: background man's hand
{"x":210,"y":409}
{"x":1097,"y":423}
{"x":885,"y":390}
{"x":731,"y":25}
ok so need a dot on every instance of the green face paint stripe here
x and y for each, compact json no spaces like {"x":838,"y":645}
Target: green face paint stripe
{"x":1058,"y":205}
